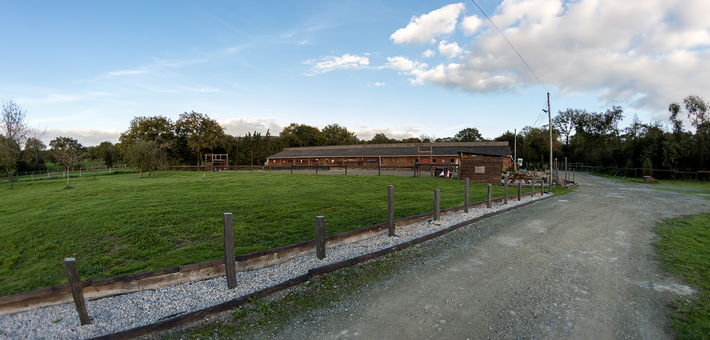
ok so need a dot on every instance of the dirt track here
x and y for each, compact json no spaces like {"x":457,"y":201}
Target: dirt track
{"x":574,"y":266}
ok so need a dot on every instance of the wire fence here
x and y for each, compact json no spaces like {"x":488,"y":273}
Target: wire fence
{"x":39,"y":175}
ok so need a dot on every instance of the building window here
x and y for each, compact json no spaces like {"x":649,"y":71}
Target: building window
{"x":480,"y":170}
{"x":452,"y":160}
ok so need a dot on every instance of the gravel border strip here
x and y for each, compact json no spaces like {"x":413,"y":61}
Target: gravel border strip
{"x":145,"y":312}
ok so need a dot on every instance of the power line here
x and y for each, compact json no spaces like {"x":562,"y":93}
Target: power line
{"x":511,"y":45}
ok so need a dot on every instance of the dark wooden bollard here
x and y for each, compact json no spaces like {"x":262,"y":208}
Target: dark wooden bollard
{"x":390,"y":209}
{"x":346,"y":169}
{"x":520,"y":191}
{"x":542,"y":188}
{"x":490,"y":196}
{"x":532,"y":190}
{"x":77,"y":291}
{"x":229,"y":266}
{"x":465,"y":196}
{"x":505,"y":190}
{"x":320,"y":237}
{"x":437,"y":210}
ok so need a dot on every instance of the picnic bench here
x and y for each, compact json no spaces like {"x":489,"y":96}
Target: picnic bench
{"x":518,"y":177}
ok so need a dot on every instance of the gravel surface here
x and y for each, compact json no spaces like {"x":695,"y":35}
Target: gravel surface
{"x":575,"y":266}
{"x":127,"y":311}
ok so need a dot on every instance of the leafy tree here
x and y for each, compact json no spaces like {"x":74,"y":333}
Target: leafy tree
{"x":14,"y":132}
{"x":564,"y":122}
{"x":380,"y":138}
{"x":338,"y":135}
{"x":159,"y":129}
{"x":468,"y":135}
{"x":67,"y":151}
{"x":299,"y":135}
{"x":200,"y":132}
{"x":144,"y":155}
{"x":107,"y":152}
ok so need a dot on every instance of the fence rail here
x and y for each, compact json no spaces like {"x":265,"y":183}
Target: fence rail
{"x":37,"y":175}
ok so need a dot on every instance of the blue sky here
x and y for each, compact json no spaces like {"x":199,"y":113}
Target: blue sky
{"x":405,"y":68}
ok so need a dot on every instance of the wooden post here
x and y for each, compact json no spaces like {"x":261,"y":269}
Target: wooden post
{"x":378,"y":169}
{"x":79,"y":171}
{"x":542,"y":189}
{"x":437,"y":210}
{"x":390,"y":209}
{"x":520,"y":191}
{"x":465,"y":196}
{"x":320,"y":237}
{"x":317,"y":169}
{"x":235,"y":168}
{"x":505,"y":190}
{"x":490,"y":196}
{"x":532,"y":191}
{"x":77,"y":291}
{"x":229,"y":265}
{"x":566,"y":177}
{"x":346,"y":168}
{"x":32,"y":176}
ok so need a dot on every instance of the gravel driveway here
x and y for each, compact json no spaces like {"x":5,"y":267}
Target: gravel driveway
{"x":574,"y":266}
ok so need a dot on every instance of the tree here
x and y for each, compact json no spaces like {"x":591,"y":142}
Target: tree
{"x":380,"y":138}
{"x":338,"y":135}
{"x":159,"y":129}
{"x":144,"y":155}
{"x":564,"y":122}
{"x":107,"y":152}
{"x":299,"y":135}
{"x":14,"y":132}
{"x":67,"y":151}
{"x":468,"y":135}
{"x":200,"y":132}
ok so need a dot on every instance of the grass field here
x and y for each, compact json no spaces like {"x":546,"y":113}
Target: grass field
{"x":121,"y":224}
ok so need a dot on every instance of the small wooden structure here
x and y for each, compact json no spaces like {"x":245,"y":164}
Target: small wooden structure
{"x":481,"y":168}
{"x":216,"y":162}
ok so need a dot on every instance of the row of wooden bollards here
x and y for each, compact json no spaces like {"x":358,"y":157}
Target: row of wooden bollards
{"x":74,"y":281}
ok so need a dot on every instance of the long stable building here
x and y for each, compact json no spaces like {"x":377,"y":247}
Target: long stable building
{"x":386,"y":155}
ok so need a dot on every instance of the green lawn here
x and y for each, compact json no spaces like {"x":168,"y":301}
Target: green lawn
{"x":684,"y":251}
{"x":121,"y":224}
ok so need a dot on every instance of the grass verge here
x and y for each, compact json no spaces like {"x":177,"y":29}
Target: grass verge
{"x":684,"y":251}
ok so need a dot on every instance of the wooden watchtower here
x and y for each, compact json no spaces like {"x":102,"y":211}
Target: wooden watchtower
{"x":216,"y":162}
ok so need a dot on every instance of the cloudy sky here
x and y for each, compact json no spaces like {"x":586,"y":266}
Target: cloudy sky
{"x":406,"y":68}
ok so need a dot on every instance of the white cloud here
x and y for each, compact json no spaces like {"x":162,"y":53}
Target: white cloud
{"x":451,"y":50}
{"x":237,"y":126}
{"x":470,"y":25}
{"x":331,"y":63}
{"x":87,"y":137}
{"x":204,"y":89}
{"x":364,"y":132}
{"x":427,"y":27}
{"x":378,"y":84}
{"x":639,"y":53}
{"x":125,"y":73}
{"x":403,"y":64}
{"x":428,"y":54}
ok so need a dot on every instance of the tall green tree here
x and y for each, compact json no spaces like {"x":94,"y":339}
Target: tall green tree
{"x":468,"y":135}
{"x":159,"y":129}
{"x":200,"y":132}
{"x":338,"y":135}
{"x":144,"y":155}
{"x":299,"y":135}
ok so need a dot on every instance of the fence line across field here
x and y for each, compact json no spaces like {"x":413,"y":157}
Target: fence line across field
{"x":75,"y":172}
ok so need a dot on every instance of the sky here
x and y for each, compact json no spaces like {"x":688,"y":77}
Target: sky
{"x":84,"y":69}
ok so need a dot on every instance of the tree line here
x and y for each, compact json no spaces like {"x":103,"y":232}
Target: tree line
{"x":155,"y":142}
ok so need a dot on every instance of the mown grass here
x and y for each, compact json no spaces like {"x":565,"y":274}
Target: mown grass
{"x":121,"y":224}
{"x":684,"y":251}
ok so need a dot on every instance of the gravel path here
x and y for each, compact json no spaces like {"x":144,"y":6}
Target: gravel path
{"x":575,"y":266}
{"x":117,"y":313}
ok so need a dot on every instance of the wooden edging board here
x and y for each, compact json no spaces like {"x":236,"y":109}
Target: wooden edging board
{"x":181,"y":274}
{"x":185,"y":319}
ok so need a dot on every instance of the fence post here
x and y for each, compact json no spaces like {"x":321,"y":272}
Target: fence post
{"x":520,"y":190}
{"x":32,"y":176}
{"x":437,"y":210}
{"x":542,"y":189}
{"x":79,"y":171}
{"x":235,"y":168}
{"x":346,"y":168}
{"x":532,"y":190}
{"x":390,"y":209}
{"x":566,"y":178}
{"x":230,"y":267}
{"x":320,"y":237}
{"x":489,"y":202}
{"x":465,"y":196}
{"x":77,"y":291}
{"x":505,"y":190}
{"x":317,"y":169}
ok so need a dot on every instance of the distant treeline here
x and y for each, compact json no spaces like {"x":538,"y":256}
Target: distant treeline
{"x":592,"y":138}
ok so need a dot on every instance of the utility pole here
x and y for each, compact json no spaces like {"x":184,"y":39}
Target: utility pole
{"x":515,"y":150}
{"x":549,"y":115}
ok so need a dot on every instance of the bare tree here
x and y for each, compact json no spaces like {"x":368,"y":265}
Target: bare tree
{"x":67,"y":151}
{"x":14,"y":133}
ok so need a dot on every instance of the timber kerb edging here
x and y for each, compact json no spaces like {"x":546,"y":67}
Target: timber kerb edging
{"x":187,"y":318}
{"x":181,"y":274}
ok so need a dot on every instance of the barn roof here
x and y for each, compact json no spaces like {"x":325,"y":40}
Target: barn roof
{"x":395,"y":150}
